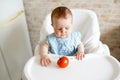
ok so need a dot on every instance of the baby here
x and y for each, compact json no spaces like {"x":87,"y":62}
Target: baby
{"x":62,"y":41}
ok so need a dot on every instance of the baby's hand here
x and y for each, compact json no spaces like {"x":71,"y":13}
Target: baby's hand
{"x":80,"y":55}
{"x":45,"y":60}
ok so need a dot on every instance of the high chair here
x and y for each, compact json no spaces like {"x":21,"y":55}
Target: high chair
{"x":86,"y":22}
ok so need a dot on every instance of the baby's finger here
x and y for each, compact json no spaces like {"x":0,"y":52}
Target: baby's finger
{"x":45,"y":63}
{"x":48,"y":61}
{"x":42,"y":62}
{"x":83,"y":55}
{"x":78,"y":57}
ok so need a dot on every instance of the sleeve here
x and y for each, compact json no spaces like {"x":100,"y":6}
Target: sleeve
{"x":47,"y":40}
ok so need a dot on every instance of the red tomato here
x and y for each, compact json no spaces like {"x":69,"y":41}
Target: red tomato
{"x":63,"y":62}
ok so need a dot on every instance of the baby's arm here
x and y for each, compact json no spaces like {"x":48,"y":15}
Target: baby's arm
{"x":44,"y":58}
{"x":80,"y":53}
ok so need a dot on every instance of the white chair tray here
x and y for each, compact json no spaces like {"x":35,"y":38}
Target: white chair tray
{"x":92,"y":67}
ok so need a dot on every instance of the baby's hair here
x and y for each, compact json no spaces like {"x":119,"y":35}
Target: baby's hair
{"x":61,"y":12}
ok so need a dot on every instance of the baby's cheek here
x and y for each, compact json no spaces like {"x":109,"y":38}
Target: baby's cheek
{"x":68,"y":34}
{"x":57,"y":34}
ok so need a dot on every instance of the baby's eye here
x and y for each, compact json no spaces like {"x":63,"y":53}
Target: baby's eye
{"x":59,"y":29}
{"x":66,"y":28}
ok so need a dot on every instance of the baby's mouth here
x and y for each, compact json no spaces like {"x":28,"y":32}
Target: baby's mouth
{"x":63,"y":36}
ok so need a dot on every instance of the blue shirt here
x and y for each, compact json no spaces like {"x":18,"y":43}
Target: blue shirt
{"x":64,"y":46}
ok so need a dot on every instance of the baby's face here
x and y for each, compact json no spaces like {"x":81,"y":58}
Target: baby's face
{"x":62,"y":27}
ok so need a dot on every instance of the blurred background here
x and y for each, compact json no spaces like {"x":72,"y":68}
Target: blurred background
{"x":108,"y":12}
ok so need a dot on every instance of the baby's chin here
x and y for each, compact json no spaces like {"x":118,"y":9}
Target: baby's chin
{"x":63,"y":36}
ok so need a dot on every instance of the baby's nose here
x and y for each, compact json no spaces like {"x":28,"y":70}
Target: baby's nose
{"x":63,"y":30}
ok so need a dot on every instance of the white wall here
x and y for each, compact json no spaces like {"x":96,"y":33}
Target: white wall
{"x":9,"y":7}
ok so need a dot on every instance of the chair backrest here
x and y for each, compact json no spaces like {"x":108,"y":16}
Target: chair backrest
{"x":84,"y":21}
